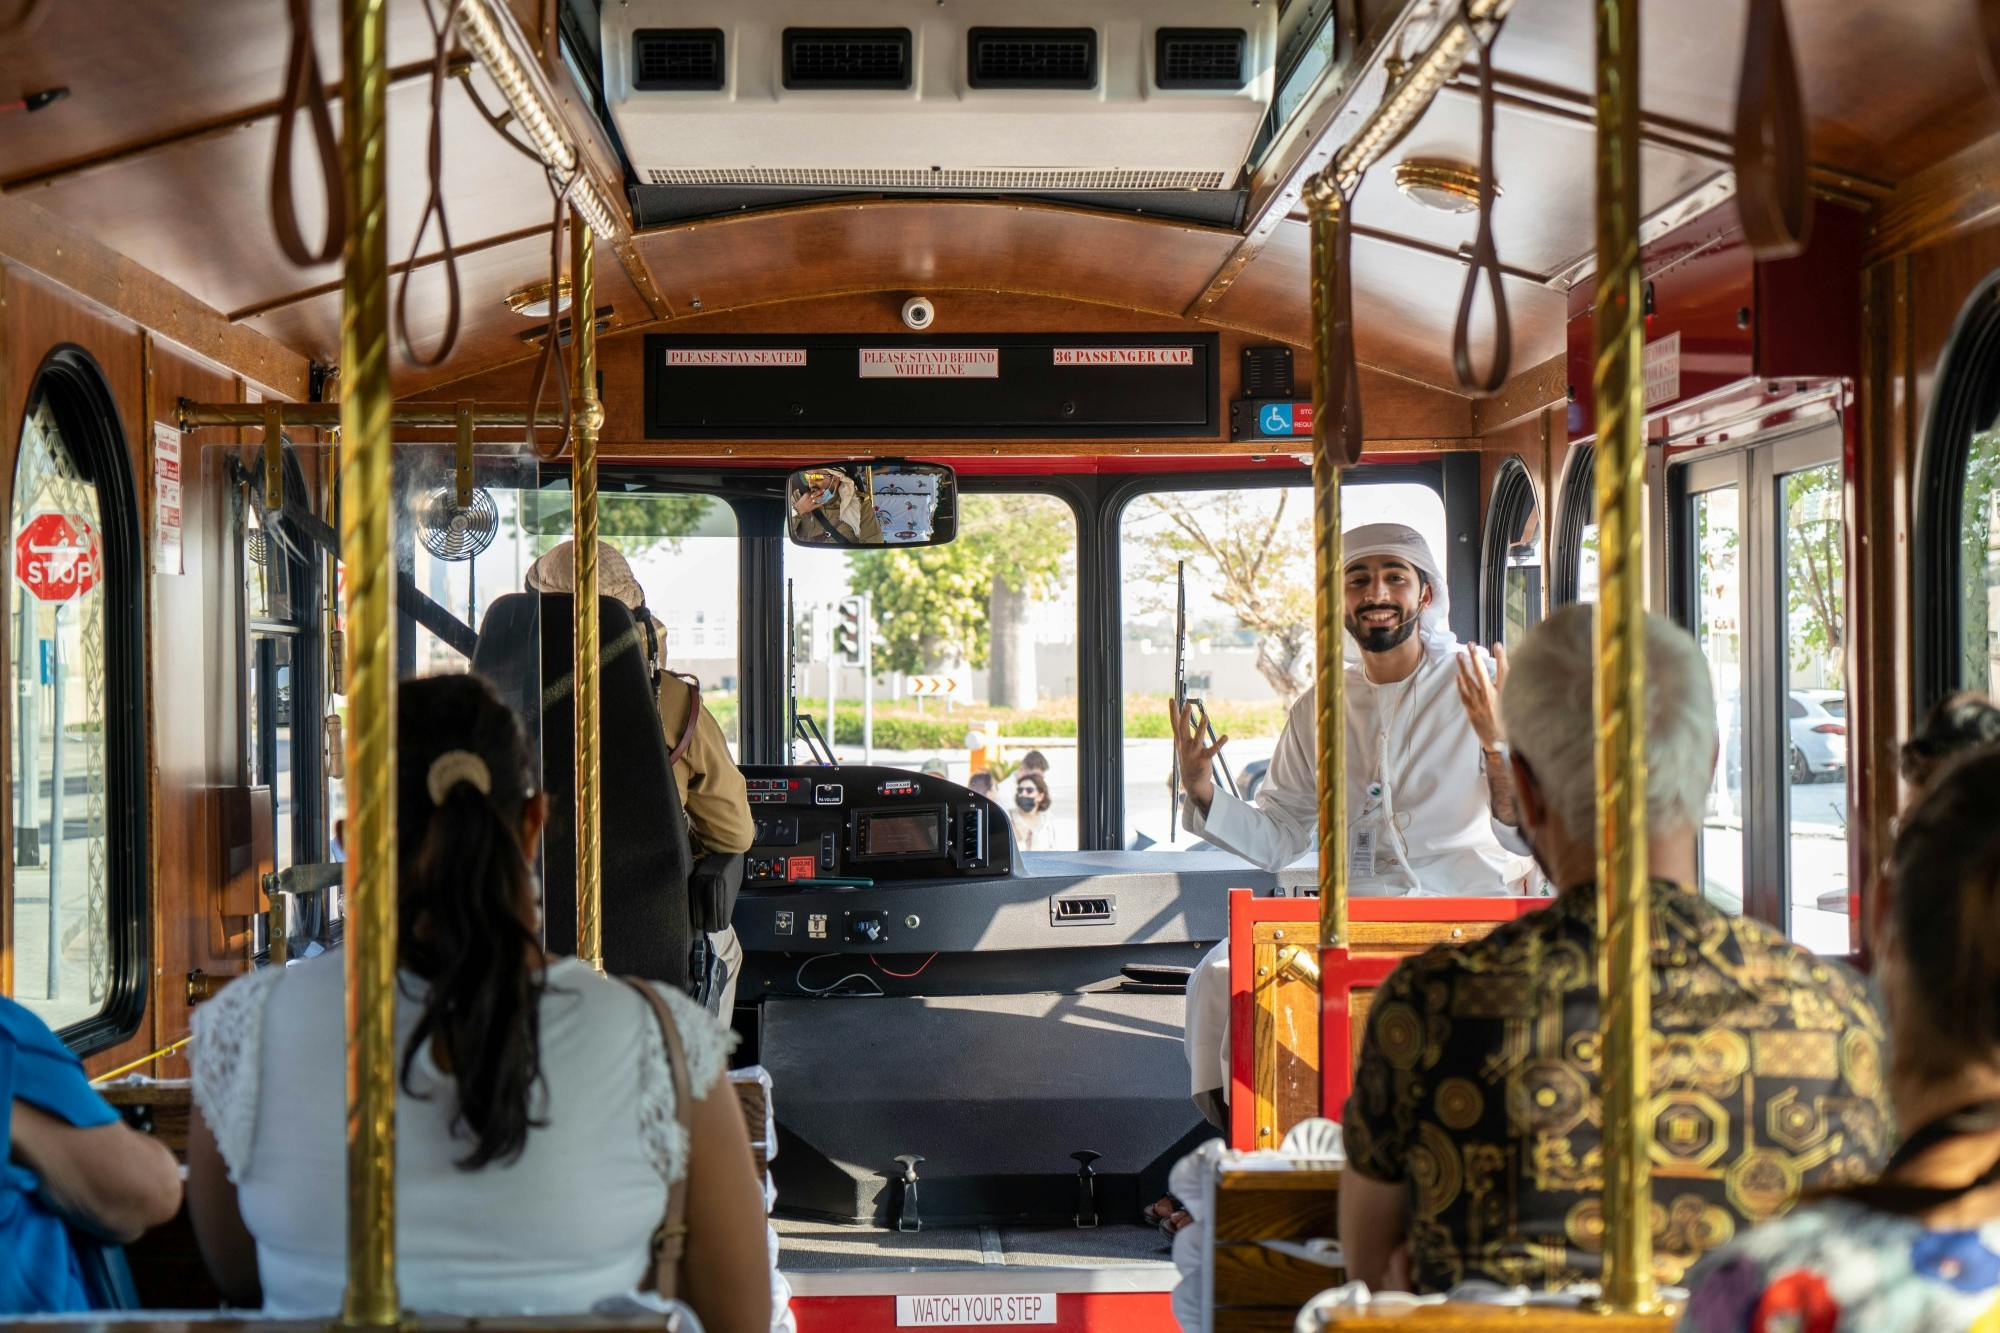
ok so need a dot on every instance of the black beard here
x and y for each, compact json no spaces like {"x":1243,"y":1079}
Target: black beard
{"x":1381,"y":640}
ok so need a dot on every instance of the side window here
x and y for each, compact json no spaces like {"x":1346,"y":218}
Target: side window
{"x":958,"y":659}
{"x":78,"y":931}
{"x":1575,"y":565}
{"x":1958,"y":592}
{"x":1979,"y":565}
{"x":282,"y":605}
{"x":1248,"y":557}
{"x":1511,"y":604}
{"x":1793,"y":708}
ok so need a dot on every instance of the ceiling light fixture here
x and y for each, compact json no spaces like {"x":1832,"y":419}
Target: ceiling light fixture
{"x":532,"y":302}
{"x":1447,"y":187}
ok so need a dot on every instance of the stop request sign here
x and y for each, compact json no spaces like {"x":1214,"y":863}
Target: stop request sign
{"x":56,"y":557}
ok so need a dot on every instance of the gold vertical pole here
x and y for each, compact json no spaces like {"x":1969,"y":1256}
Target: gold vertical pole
{"x":371,"y":678}
{"x":589,"y":420}
{"x":1324,"y":206}
{"x":1624,"y":974}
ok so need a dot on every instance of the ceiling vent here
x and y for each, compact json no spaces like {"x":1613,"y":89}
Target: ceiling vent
{"x":870,"y":58}
{"x":1199,"y":58}
{"x":1032,"y":58}
{"x":666,"y":60}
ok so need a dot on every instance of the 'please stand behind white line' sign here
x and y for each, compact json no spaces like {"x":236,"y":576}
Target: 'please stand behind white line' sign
{"x":930,"y":363}
{"x":986,"y":1309}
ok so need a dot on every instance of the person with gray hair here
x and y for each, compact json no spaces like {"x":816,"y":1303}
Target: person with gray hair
{"x":1474,"y":1129}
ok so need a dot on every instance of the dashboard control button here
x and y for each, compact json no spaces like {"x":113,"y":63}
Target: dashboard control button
{"x":781,"y":923}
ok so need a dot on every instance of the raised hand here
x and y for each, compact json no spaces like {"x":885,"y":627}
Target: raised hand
{"x":1197,"y":760}
{"x":1481,"y":694}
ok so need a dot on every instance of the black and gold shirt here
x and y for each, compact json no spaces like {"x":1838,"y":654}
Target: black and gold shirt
{"x":1477,"y":1085}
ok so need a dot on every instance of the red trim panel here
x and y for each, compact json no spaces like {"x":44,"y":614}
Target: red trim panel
{"x":1076,"y":1312}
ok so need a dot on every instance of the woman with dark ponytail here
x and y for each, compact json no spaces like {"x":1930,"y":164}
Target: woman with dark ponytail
{"x":1918,"y":1250}
{"x":538,"y":1131}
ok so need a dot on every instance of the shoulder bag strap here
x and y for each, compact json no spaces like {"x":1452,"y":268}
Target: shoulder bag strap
{"x":694,"y":715}
{"x":671,"y":1238}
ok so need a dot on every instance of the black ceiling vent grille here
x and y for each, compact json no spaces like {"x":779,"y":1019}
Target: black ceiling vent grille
{"x":677,"y":60}
{"x":1033,"y":58}
{"x":847,"y":58}
{"x":1199,"y":58}
{"x":1267,"y":372}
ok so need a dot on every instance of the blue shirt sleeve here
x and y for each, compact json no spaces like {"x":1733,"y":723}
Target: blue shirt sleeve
{"x":44,"y":1073}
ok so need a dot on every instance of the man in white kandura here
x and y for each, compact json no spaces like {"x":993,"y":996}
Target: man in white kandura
{"x":1429,"y":803}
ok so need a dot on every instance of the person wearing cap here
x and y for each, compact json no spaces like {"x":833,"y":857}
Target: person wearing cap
{"x":711,"y":787}
{"x":1426,"y":771}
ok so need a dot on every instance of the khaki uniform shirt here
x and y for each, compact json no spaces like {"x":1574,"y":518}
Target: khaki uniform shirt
{"x":1477,"y":1088}
{"x":712,"y":789}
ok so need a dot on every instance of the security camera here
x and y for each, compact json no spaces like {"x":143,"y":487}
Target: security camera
{"x":919,"y":313}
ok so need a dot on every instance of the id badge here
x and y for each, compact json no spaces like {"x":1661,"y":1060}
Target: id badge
{"x":1361,"y":855}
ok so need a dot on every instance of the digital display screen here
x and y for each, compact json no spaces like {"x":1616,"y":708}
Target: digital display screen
{"x":913,"y":834}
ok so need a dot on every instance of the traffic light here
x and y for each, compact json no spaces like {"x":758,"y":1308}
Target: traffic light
{"x":847,"y":629}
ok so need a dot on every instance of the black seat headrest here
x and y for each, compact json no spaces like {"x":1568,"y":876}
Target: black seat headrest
{"x":526,"y":648}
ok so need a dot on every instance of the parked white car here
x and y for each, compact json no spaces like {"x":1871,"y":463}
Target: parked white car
{"x":1817,"y":720}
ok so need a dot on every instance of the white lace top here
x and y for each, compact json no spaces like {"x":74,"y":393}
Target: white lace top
{"x":555,"y":1231}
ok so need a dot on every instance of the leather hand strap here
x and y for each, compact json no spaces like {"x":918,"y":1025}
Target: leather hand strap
{"x":305,"y":91}
{"x":1773,"y":184}
{"x":441,"y":29}
{"x":670,"y":1239}
{"x":694,"y":715}
{"x":1988,"y":16}
{"x":1485,"y":256}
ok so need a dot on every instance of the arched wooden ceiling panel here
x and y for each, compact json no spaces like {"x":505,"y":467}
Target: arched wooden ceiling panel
{"x":490,"y":333}
{"x":1545,"y":165}
{"x":933,"y":245}
{"x":1405,"y":304}
{"x":137,"y":70}
{"x":198,"y":213}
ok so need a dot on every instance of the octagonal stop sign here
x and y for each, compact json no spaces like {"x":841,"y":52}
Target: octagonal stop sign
{"x":56,"y":557}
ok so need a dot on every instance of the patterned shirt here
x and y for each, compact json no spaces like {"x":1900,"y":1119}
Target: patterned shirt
{"x":1837,"y":1267}
{"x":1477,"y":1085}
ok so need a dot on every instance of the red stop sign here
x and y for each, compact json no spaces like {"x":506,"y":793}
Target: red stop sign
{"x":56,"y":556}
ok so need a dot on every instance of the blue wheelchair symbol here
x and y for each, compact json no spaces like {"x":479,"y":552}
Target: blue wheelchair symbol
{"x":1275,"y":419}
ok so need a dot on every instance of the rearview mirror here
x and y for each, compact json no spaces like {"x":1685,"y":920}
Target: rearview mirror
{"x":884,"y":502}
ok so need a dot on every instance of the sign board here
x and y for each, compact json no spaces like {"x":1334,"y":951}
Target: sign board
{"x":168,"y":555}
{"x":919,"y":686}
{"x":1124,"y":356}
{"x":879,"y":387}
{"x":56,"y":557}
{"x":930,"y":363}
{"x":1663,"y":370}
{"x":984,"y":1309}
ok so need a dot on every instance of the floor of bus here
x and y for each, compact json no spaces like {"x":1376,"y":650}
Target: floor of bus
{"x":806,"y":1246}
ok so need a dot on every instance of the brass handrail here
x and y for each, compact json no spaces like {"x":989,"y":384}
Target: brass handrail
{"x":142,"y":1061}
{"x":1324,"y":205}
{"x":365,"y":440}
{"x":1623,"y":909}
{"x":327,"y":416}
{"x":588,"y":421}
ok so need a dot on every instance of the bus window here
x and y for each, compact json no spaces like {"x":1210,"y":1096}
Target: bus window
{"x":1718,"y":620}
{"x":1575,"y":565}
{"x":1248,"y":556}
{"x":73,"y":888}
{"x":1813,"y":603}
{"x":1979,"y":557}
{"x":1512,"y":600}
{"x":974,"y":656}
{"x":282,"y":676}
{"x":684,"y":551}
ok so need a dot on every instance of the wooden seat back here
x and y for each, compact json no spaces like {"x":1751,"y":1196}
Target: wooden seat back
{"x":1289,"y":1007}
{"x":1252,"y":1287}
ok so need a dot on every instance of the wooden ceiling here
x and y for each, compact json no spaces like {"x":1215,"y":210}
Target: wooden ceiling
{"x":162,"y":154}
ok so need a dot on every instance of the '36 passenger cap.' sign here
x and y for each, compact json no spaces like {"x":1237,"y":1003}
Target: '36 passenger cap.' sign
{"x":56,"y":557}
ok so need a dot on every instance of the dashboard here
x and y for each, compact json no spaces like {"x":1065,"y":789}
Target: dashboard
{"x":856,"y":826}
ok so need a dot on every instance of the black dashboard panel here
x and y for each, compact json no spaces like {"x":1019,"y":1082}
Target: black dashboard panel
{"x":857,"y":826}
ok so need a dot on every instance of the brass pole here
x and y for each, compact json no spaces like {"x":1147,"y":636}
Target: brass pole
{"x":1324,"y":206}
{"x":365,"y":443}
{"x":1624,"y":974}
{"x":325,"y":416}
{"x":589,"y":419}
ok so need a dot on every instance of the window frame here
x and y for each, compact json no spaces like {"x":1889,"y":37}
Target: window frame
{"x":1579,"y":508}
{"x":1514,"y":497}
{"x":86,"y":413}
{"x":1968,"y":392}
{"x":1755,"y":466}
{"x":310,"y":831}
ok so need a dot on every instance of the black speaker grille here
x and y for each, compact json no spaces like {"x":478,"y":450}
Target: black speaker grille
{"x":1033,"y":58}
{"x":677,"y":59}
{"x":848,"y":58}
{"x":1267,"y":372}
{"x":1200,"y":58}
